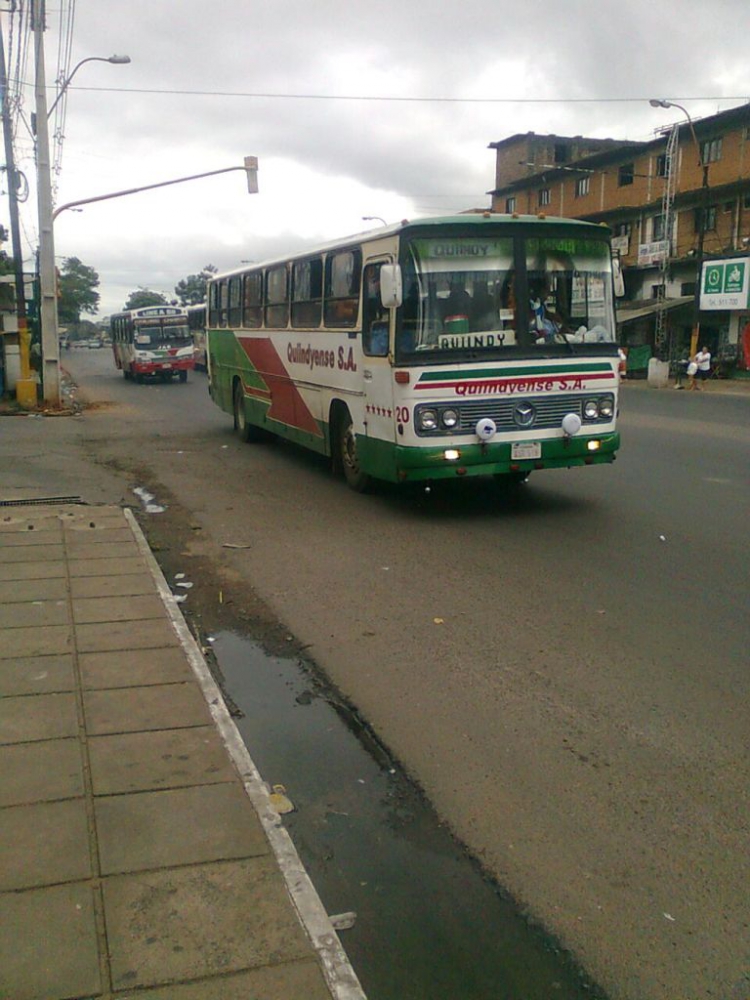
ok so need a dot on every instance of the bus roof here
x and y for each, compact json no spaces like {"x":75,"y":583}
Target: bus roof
{"x":469,"y":220}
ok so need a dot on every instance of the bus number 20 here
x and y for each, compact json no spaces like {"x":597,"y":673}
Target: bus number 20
{"x":402,"y":414}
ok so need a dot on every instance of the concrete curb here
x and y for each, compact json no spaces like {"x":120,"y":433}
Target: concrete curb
{"x":339,"y":974}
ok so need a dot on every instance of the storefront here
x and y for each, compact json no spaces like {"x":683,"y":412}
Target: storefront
{"x":725,"y":307}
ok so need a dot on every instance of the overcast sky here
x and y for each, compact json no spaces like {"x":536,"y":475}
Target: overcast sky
{"x":286,"y":81}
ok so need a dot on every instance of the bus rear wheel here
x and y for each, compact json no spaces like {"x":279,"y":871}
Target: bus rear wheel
{"x":244,"y":430}
{"x":348,"y":456}
{"x":241,"y":426}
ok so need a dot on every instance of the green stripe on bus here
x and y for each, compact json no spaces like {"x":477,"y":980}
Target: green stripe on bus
{"x":486,"y":373}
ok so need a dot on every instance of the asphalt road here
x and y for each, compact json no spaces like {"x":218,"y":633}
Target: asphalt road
{"x":564,"y":670}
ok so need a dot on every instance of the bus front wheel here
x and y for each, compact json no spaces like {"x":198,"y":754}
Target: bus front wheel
{"x":183,"y":376}
{"x":348,"y":455}
{"x":511,"y":480}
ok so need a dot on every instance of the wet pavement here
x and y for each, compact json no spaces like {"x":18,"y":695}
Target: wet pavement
{"x":428,"y":923}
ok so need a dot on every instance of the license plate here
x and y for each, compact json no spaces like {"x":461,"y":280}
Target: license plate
{"x":525,"y":449}
{"x":166,"y":366}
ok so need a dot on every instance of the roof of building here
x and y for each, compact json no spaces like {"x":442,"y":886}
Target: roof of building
{"x":511,"y":139}
{"x":615,"y":152}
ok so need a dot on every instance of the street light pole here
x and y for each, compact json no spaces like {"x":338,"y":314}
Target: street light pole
{"x":702,"y":212}
{"x":115,"y":60}
{"x":50,"y":341}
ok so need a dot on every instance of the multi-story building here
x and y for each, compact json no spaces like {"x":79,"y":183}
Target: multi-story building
{"x":673,"y":202}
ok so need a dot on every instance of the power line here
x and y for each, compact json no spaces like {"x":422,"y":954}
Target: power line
{"x":402,"y":100}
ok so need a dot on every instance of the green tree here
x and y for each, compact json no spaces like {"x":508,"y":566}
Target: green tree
{"x":144,"y":297}
{"x":192,"y":290}
{"x":76,"y":290}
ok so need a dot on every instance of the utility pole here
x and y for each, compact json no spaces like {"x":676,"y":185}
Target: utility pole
{"x":702,"y":219}
{"x":702,"y":213}
{"x":662,"y":343}
{"x":48,"y":291}
{"x":25,"y":385}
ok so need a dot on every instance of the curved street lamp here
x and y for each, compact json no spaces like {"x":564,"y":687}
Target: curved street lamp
{"x":47,"y":293}
{"x":374,"y":218}
{"x":661,"y":103}
{"x":656,"y":102}
{"x":115,"y":60}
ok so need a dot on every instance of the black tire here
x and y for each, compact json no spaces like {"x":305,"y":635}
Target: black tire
{"x":244,"y":430}
{"x":346,"y":443}
{"x":241,"y":426}
{"x":509,"y":480}
{"x":183,"y":376}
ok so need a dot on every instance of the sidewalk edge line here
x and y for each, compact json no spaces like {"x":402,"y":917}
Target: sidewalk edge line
{"x":337,"y":969}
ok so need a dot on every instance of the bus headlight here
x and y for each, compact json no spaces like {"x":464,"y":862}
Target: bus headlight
{"x":606,"y":408}
{"x":591,"y":409}
{"x":427,"y":420}
{"x":449,"y":418}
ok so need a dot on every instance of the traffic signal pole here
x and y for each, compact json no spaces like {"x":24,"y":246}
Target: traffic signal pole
{"x":250,"y":167}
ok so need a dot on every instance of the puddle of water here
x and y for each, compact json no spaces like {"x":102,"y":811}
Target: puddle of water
{"x":429,"y":926}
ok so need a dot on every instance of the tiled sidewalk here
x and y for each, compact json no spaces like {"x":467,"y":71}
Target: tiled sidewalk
{"x":140,"y":854}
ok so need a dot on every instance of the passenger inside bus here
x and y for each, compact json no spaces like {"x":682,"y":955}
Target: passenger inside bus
{"x":375,"y":316}
{"x":483,"y":315}
{"x":459,"y":303}
{"x":544,"y":322}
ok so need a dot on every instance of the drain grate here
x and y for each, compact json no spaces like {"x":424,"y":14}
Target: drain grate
{"x":40,"y":501}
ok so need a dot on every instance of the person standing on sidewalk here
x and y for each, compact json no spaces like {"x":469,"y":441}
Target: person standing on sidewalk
{"x":703,"y":360}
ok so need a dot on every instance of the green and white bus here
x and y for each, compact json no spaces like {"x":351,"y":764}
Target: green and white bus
{"x":470,"y":345}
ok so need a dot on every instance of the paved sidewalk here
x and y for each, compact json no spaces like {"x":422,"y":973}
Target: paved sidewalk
{"x":141,"y":856}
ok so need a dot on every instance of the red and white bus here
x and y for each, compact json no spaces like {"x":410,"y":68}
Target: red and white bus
{"x":152,"y":341}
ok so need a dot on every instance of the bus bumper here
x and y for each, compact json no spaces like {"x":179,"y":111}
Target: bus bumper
{"x":163,"y":367}
{"x":455,"y":460}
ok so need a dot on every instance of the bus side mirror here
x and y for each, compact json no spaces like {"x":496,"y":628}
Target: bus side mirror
{"x":391,"y":286}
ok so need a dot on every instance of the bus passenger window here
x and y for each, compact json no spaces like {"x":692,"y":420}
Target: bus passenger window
{"x":253,"y":301}
{"x":342,"y":275}
{"x":235,"y":301}
{"x":223,"y":303}
{"x":277,"y":297}
{"x":307,"y":293}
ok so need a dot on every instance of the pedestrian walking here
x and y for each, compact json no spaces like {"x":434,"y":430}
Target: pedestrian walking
{"x":703,"y":361}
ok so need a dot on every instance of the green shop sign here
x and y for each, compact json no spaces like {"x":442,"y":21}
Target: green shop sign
{"x":725,"y":284}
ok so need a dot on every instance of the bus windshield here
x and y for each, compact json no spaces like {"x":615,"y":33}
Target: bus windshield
{"x":155,"y":334}
{"x":477,"y":294}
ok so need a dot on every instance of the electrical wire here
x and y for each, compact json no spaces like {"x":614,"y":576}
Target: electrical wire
{"x":64,"y":52}
{"x":398,"y":99}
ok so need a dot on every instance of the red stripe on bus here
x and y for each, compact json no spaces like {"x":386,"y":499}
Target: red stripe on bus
{"x":287,"y":405}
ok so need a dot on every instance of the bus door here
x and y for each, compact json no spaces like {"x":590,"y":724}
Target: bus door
{"x":377,"y":340}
